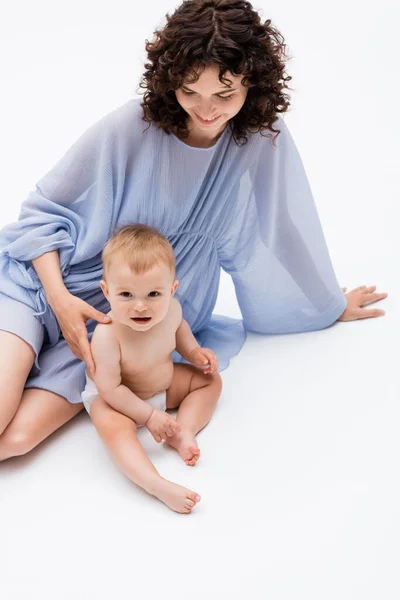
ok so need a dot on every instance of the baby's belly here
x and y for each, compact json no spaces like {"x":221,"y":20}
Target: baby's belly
{"x":146,"y":383}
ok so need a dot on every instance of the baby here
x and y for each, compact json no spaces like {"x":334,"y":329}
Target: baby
{"x":135,"y":376}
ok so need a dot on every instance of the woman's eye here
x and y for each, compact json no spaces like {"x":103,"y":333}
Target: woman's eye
{"x":221,"y":97}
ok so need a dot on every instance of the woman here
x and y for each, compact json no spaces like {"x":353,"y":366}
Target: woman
{"x":205,"y":172}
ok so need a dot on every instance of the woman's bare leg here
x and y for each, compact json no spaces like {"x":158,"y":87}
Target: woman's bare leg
{"x":17,"y":358}
{"x":118,"y":432}
{"x":40,"y":413}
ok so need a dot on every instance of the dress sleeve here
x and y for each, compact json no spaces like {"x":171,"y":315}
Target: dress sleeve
{"x":70,"y":208}
{"x":274,"y":248}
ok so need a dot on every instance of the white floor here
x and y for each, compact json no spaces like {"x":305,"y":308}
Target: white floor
{"x":299,"y":472}
{"x":298,"y":478}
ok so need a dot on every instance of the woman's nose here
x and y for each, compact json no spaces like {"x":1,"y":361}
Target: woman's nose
{"x":207,"y":110}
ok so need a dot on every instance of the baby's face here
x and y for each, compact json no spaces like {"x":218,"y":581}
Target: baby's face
{"x":139,"y":301}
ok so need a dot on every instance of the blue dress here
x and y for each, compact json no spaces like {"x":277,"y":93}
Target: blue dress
{"x":246,"y":209}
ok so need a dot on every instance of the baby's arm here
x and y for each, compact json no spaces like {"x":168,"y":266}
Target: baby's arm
{"x":190,"y":350}
{"x":185,"y":340}
{"x":106,"y":353}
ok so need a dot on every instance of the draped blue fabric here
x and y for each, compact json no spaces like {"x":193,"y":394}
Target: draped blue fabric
{"x":246,"y":209}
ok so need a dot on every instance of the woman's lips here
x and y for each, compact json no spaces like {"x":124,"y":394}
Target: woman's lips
{"x":207,"y":122}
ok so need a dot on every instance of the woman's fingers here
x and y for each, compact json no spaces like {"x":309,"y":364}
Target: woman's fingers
{"x":371,"y":298}
{"x":370,"y":312}
{"x":100,"y":317}
{"x":84,"y":347}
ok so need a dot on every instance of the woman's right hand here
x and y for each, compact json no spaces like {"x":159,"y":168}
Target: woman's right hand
{"x":72,"y":313}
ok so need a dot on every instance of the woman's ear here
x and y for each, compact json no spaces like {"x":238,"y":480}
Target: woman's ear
{"x":104,"y":288}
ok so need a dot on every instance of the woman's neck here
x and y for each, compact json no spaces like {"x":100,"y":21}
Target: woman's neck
{"x":199,"y":139}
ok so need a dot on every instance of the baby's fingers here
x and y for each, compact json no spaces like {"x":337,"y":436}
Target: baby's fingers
{"x":214,"y":364}
{"x":213,"y":367}
{"x":175,"y":427}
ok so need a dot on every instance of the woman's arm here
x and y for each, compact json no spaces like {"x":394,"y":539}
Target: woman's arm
{"x":274,"y":247}
{"x":71,"y":207}
{"x":71,"y":312}
{"x":48,"y":269}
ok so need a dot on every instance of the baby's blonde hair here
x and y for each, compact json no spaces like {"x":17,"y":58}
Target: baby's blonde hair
{"x":141,"y":247}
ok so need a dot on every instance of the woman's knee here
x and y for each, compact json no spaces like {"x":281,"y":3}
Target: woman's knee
{"x":17,"y":358}
{"x":40,"y":413}
{"x":14,"y":442}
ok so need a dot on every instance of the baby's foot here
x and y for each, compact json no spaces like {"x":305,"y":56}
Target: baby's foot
{"x":175,"y":496}
{"x":186,"y":444}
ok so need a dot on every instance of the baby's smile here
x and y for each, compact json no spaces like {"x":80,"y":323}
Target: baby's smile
{"x":140,"y":320}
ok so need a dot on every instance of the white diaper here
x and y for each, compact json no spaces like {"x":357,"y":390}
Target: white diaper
{"x":158,"y":401}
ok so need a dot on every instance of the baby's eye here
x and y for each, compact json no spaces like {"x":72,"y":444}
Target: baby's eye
{"x":154,"y":293}
{"x":123,"y":294}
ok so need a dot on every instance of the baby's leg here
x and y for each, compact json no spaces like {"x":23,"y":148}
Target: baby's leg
{"x":118,"y":432}
{"x":196,"y":394}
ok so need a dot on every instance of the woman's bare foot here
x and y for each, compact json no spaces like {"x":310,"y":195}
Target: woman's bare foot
{"x":175,"y":496}
{"x":186,"y":444}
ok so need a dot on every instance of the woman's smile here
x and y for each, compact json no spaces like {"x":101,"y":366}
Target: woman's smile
{"x":207,"y":121}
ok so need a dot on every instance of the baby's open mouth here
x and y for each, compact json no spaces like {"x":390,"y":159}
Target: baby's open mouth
{"x":141,"y":319}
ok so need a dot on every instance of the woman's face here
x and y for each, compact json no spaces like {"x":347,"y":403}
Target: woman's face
{"x":210,"y":99}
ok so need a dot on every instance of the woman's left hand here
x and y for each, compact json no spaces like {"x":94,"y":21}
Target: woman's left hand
{"x":357,"y":299}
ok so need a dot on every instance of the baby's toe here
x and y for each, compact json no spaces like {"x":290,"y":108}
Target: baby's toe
{"x":189,"y":503}
{"x":193,"y":496}
{"x":195,"y":456}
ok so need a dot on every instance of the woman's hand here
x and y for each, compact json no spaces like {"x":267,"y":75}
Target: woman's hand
{"x":72,"y":313}
{"x":357,"y":299}
{"x":200,"y":357}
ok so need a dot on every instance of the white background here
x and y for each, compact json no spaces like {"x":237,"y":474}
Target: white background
{"x":299,"y":472}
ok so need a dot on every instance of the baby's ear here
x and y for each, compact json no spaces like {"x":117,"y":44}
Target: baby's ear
{"x":104,"y":288}
{"x":175,"y":286}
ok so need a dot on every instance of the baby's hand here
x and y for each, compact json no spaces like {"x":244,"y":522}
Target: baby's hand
{"x":202,"y":357}
{"x":161,"y":425}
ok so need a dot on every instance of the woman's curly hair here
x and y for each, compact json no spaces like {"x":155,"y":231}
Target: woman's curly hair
{"x":228,"y":34}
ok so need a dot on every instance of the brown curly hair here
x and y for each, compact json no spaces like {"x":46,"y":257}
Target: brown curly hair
{"x":228,"y":34}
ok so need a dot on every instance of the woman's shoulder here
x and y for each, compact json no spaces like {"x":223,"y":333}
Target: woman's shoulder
{"x":124,"y":120}
{"x":266,"y":135}
{"x":127,"y":115}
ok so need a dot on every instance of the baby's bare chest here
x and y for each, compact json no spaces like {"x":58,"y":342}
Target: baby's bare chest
{"x":146,"y":362}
